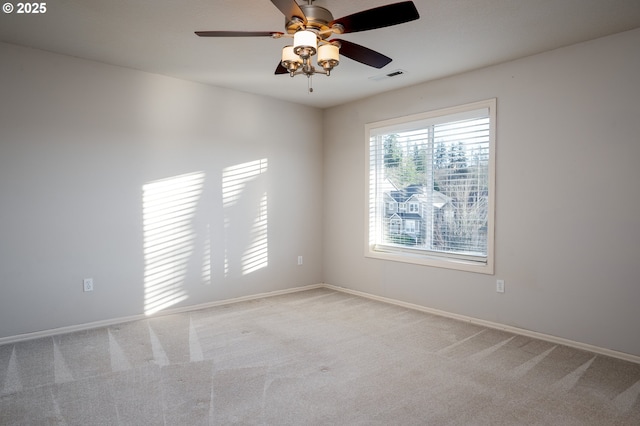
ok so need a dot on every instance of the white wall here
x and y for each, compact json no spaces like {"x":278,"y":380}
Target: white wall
{"x":567,"y":200}
{"x":81,"y":144}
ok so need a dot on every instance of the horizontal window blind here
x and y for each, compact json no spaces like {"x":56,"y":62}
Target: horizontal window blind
{"x":429,"y":186}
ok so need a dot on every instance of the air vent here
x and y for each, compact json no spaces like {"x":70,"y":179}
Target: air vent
{"x":390,"y":74}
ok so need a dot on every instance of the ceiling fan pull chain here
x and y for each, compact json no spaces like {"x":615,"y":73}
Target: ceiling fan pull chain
{"x":309,"y":83}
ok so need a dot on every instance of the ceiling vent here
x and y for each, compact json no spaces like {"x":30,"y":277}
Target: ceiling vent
{"x":390,"y":74}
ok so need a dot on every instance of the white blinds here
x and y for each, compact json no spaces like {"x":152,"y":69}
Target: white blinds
{"x":429,"y":183}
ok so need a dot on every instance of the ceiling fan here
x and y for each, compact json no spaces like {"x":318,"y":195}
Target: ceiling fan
{"x":311,"y":27}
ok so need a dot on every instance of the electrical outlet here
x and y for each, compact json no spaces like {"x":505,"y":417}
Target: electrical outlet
{"x":500,"y":286}
{"x":299,"y":260}
{"x":87,"y":284}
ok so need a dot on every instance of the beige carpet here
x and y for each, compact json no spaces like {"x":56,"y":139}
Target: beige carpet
{"x":317,"y":357}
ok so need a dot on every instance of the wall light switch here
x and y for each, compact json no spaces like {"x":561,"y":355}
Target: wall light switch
{"x":500,"y":286}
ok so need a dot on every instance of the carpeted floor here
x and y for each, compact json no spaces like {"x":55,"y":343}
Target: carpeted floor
{"x":317,"y":357}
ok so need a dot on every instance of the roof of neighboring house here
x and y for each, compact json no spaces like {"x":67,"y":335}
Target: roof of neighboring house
{"x":405,"y":216}
{"x":417,"y":191}
{"x":439,"y":199}
{"x":404,"y":194}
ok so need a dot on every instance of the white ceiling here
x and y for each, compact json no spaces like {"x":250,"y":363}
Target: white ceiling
{"x":451,"y":36}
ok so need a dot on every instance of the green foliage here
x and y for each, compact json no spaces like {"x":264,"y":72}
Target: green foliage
{"x":457,"y":156}
{"x":440,"y":156}
{"x":392,"y":152}
{"x":404,"y":239}
{"x":457,"y":174}
{"x":420,"y":159}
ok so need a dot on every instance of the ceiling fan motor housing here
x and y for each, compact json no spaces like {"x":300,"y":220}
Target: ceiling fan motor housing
{"x":318,"y":19}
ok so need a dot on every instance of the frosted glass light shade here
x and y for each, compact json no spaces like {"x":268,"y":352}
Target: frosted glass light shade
{"x":288,"y":55}
{"x":290,"y":60}
{"x":305,"y":43}
{"x":328,"y":54}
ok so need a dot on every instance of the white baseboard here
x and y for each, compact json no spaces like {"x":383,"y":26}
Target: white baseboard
{"x":476,"y":321}
{"x":495,"y":325}
{"x":120,"y":320}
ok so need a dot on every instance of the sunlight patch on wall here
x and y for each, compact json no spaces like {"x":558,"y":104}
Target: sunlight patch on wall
{"x":256,"y":255}
{"x":234,"y":183}
{"x":168,"y":207}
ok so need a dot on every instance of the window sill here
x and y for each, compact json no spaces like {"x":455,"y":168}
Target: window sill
{"x":433,"y":261}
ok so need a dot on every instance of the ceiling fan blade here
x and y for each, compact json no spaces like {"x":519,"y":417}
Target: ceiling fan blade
{"x":281,"y":70}
{"x":290,"y":9}
{"x":379,"y":17}
{"x":362,"y":54}
{"x":238,"y":33}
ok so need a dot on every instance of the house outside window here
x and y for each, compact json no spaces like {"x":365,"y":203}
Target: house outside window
{"x":438,"y":169}
{"x":395,"y":226}
{"x":410,"y":226}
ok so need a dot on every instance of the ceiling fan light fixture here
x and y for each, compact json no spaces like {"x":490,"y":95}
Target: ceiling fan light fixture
{"x":311,"y":27}
{"x":305,"y":43}
{"x":328,"y":57}
{"x":290,"y":60}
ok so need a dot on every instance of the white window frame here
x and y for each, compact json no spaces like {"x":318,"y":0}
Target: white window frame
{"x":427,"y":258}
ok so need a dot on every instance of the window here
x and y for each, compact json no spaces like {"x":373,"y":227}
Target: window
{"x":395,"y":226}
{"x":439,"y":169}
